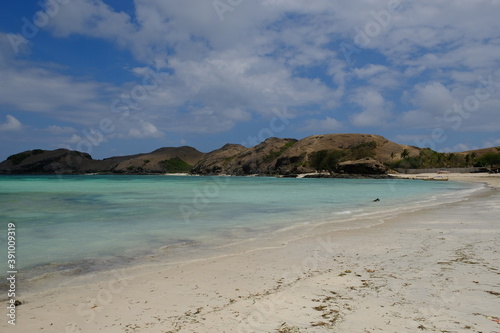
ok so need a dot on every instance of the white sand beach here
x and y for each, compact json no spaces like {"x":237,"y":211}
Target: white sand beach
{"x":431,"y":270}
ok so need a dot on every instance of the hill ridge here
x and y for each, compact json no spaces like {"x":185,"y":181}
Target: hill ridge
{"x":334,"y":152}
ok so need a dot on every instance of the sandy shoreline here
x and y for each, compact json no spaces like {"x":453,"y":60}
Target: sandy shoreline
{"x":432,"y":270}
{"x":490,"y":179}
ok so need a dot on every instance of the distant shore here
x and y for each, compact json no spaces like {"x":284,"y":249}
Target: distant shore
{"x":488,"y":178}
{"x":434,"y":270}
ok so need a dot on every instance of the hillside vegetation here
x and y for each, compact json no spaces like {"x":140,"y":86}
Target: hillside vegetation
{"x":334,"y":153}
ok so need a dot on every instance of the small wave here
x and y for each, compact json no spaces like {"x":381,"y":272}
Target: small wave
{"x":180,"y":243}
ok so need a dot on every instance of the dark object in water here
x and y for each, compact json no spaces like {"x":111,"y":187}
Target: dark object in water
{"x":376,"y":200}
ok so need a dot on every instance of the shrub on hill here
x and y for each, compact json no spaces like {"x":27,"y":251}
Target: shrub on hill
{"x":326,"y":159}
{"x":362,"y":150}
{"x":18,"y":158}
{"x":175,"y":165}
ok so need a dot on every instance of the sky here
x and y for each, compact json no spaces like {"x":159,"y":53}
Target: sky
{"x":118,"y":77}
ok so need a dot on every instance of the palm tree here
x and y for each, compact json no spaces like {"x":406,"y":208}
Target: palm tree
{"x":440,"y":158}
{"x":451,"y":159}
{"x":405,"y":154}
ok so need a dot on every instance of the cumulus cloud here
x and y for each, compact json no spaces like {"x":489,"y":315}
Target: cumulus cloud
{"x":379,"y":77}
{"x":430,"y":101}
{"x":144,"y":129}
{"x":75,"y":138}
{"x":376,"y":110}
{"x":232,"y":81}
{"x":241,"y":63}
{"x":434,"y":106}
{"x":10,"y":124}
{"x":433,"y":97}
{"x":298,"y":32}
{"x":92,"y":18}
{"x":215,"y":72}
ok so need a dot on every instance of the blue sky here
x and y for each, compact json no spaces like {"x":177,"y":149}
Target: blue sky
{"x":123,"y":77}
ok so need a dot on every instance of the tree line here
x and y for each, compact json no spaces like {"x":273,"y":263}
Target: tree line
{"x":429,"y":158}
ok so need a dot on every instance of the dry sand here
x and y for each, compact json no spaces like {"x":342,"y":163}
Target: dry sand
{"x":432,"y":270}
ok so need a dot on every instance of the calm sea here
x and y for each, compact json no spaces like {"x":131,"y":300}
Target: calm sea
{"x":78,"y":224}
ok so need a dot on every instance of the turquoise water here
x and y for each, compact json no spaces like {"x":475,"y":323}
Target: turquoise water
{"x":82,"y":222}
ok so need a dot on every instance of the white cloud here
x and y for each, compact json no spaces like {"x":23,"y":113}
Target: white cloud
{"x":491,"y":143}
{"x":59,"y":130}
{"x":433,"y":97}
{"x":144,"y":129}
{"x":239,"y":64}
{"x":379,"y":77}
{"x":232,"y":80}
{"x":259,"y":35}
{"x":410,"y":139}
{"x":376,"y":110}
{"x":436,"y":106}
{"x":429,"y":35}
{"x":321,"y":126}
{"x":60,"y":96}
{"x":201,"y":120}
{"x":11,"y":124}
{"x":198,"y":37}
{"x":460,"y":147}
{"x":430,"y":101}
{"x":417,"y":119}
{"x":28,"y":86}
{"x":10,"y":46}
{"x":267,"y":54}
{"x":264,"y":27}
{"x":92,"y":18}
{"x":369,"y":70}
{"x":75,"y":138}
